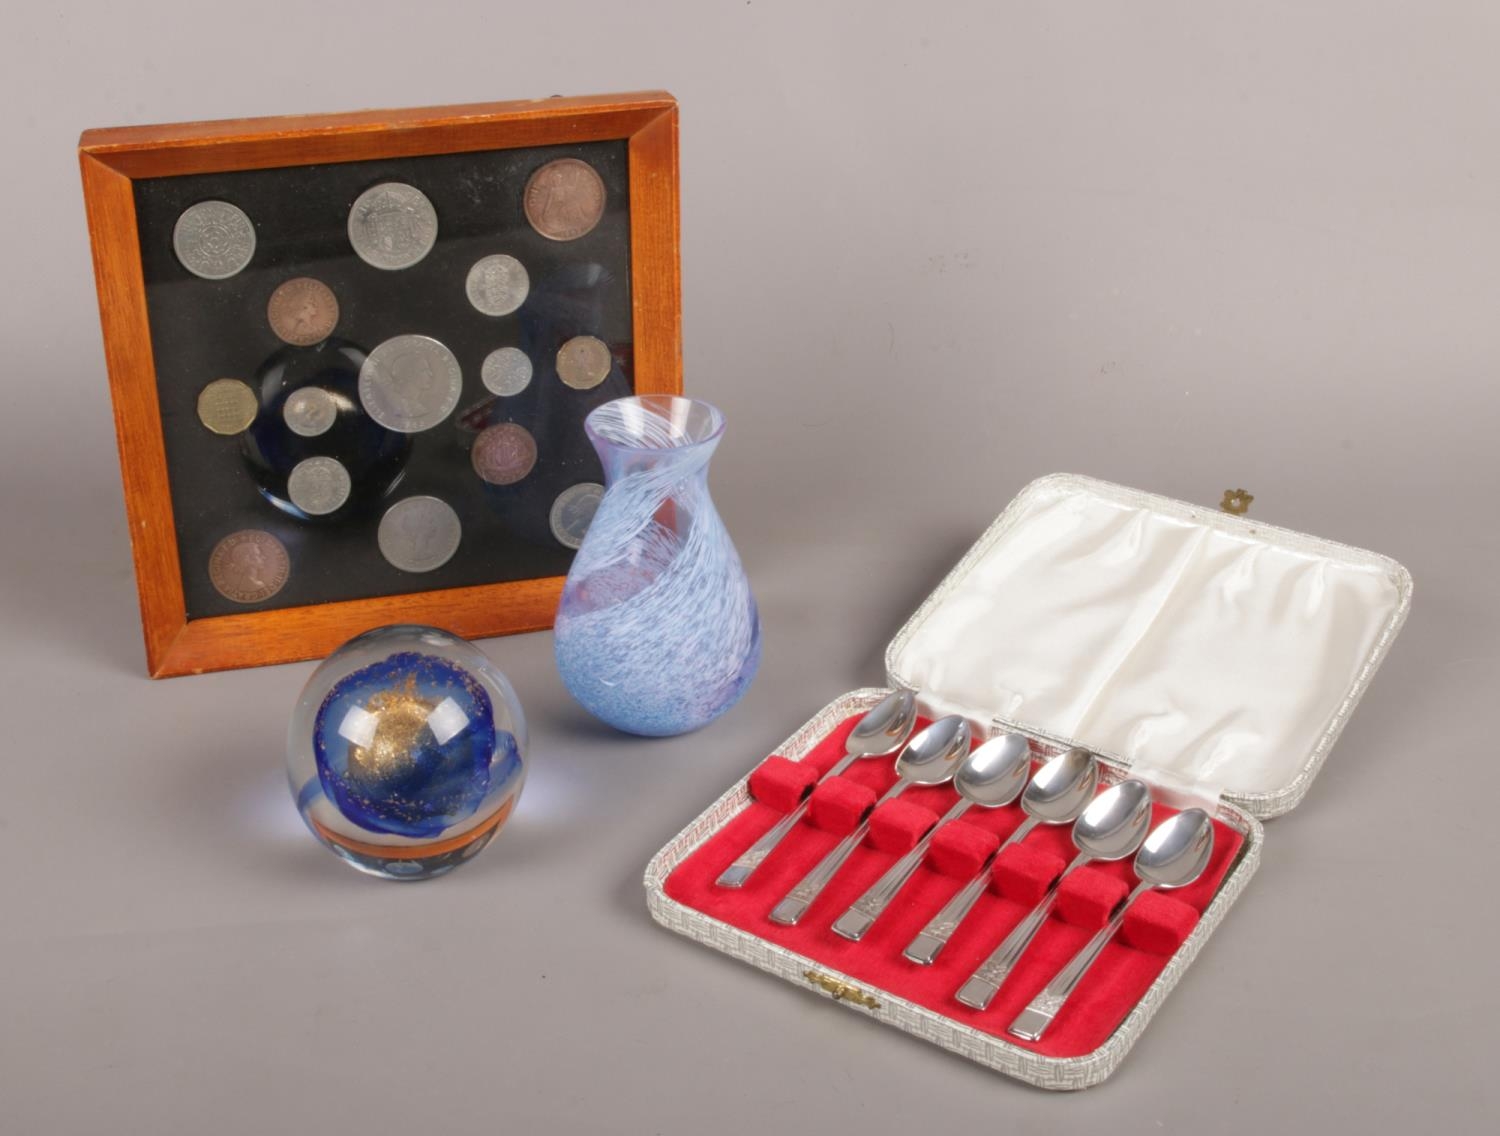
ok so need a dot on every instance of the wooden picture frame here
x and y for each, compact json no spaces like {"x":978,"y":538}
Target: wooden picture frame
{"x":114,"y":160}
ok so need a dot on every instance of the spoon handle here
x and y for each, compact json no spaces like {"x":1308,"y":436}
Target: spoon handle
{"x":801,"y":897}
{"x":737,"y":873}
{"x":985,"y":983}
{"x":863,"y":912}
{"x":1033,"y":1021}
{"x":940,"y":928}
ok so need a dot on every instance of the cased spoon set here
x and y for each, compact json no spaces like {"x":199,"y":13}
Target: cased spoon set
{"x":1111,"y":825}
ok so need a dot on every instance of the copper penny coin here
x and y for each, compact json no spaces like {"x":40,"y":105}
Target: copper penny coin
{"x":303,"y":311}
{"x":504,"y":454}
{"x":583,"y":362}
{"x":227,"y":406}
{"x":249,"y":566}
{"x":564,"y":199}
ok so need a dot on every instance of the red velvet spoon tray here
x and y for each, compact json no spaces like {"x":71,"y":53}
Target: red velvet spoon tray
{"x":1090,"y":589}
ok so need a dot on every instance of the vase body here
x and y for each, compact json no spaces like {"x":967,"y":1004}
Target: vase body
{"x":657,"y":632}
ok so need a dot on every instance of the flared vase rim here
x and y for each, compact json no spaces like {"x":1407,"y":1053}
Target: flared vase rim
{"x":711,"y":437}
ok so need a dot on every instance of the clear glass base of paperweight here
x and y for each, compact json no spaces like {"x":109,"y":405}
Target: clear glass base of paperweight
{"x":406,"y":752}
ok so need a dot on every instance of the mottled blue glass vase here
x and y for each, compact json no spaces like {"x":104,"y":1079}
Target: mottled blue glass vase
{"x":657,"y":632}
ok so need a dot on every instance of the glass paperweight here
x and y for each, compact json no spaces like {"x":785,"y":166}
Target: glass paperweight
{"x":657,"y":632}
{"x":407,"y":751}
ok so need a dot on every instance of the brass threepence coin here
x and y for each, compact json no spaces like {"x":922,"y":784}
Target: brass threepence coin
{"x":227,"y":406}
{"x":318,"y":485}
{"x":213,"y":239}
{"x":410,"y":383}
{"x":498,"y":284}
{"x":310,"y":411}
{"x":573,"y":512}
{"x":392,"y":225}
{"x":506,"y":371}
{"x":249,"y":566}
{"x":583,"y":362}
{"x":419,"y":534}
{"x":564,"y":199}
{"x":303,"y":311}
{"x":504,"y":454}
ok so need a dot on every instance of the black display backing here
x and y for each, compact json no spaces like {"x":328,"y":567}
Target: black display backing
{"x":202,"y":330}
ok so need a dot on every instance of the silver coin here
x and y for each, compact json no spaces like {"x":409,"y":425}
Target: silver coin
{"x":419,"y":534}
{"x":506,"y":371}
{"x":410,"y":383}
{"x":318,"y":485}
{"x":213,"y":239}
{"x":310,"y":411}
{"x":392,"y":225}
{"x":498,"y":284}
{"x":573,"y":512}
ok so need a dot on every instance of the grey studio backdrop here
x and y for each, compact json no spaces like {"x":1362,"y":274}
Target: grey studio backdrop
{"x":930,"y":252}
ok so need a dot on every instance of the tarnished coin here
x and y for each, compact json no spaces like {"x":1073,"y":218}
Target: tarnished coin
{"x":392,"y":225}
{"x":213,"y":239}
{"x":303,"y":311}
{"x":506,"y":371}
{"x":249,"y":566}
{"x":583,"y":362}
{"x":498,"y":284}
{"x":573,"y":512}
{"x":419,"y":534}
{"x":564,"y":199}
{"x":310,"y":411}
{"x":227,"y":406}
{"x":410,"y":383}
{"x":318,"y":485}
{"x":504,"y":454}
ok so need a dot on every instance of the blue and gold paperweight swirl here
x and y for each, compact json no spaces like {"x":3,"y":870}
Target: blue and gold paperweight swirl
{"x":407,"y":751}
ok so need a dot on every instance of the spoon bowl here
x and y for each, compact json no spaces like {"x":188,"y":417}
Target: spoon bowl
{"x":884,"y":727}
{"x":1177,"y":851}
{"x":934,"y":752}
{"x":994,"y":774}
{"x":1062,"y":788}
{"x":1115,"y":822}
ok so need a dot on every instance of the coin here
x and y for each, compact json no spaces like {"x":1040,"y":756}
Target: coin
{"x":213,"y":239}
{"x":249,"y":566}
{"x":506,"y":371}
{"x":318,"y":485}
{"x":310,"y":411}
{"x":583,"y":362}
{"x":498,"y":284}
{"x":410,"y":383}
{"x":564,"y":199}
{"x":419,"y":534}
{"x":392,"y":225}
{"x":303,"y":311}
{"x":227,"y":406}
{"x":573,"y":512}
{"x":504,"y":454}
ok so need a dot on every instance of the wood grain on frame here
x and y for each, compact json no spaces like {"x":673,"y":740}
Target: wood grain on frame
{"x":111,"y":159}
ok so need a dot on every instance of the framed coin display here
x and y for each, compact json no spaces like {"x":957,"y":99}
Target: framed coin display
{"x":351,"y":356}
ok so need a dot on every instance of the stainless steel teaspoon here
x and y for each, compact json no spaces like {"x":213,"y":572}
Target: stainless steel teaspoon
{"x":879,"y":733}
{"x":991,"y":776}
{"x":1060,"y":791}
{"x":1111,"y":828}
{"x":928,"y":759}
{"x":1173,"y":856}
